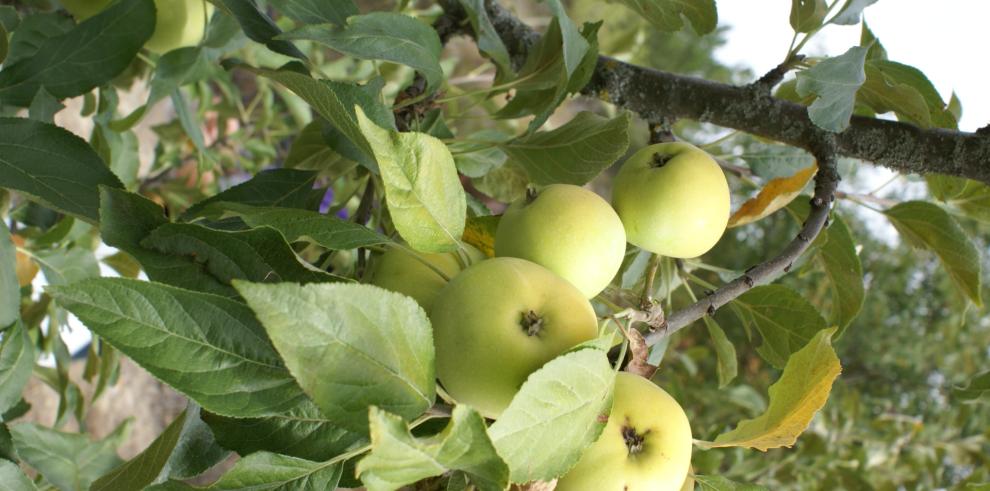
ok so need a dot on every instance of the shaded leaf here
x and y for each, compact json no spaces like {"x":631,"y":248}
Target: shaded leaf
{"x":424,"y":194}
{"x":785,"y":320}
{"x":259,"y":27}
{"x":719,"y":483}
{"x":776,"y":194}
{"x":834,"y":81}
{"x":574,"y":45}
{"x":12,"y":476}
{"x":845,"y":273}
{"x":926,"y":226}
{"x":10,"y":284}
{"x":288,"y":188}
{"x":302,"y":225}
{"x":795,"y":397}
{"x":901,"y":74}
{"x":668,"y":15}
{"x":727,"y":367}
{"x":807,"y":15}
{"x":559,"y":411}
{"x":53,"y":166}
{"x":174,"y":69}
{"x":64,"y":266}
{"x":388,"y":36}
{"x":574,"y":153}
{"x":882,"y":93}
{"x":85,"y":57}
{"x":179,"y":336}
{"x":317,"y":11}
{"x":44,"y":106}
{"x":67,"y":460}
{"x":350,"y":347}
{"x":480,"y":232}
{"x":977,"y":390}
{"x":310,"y":150}
{"x":299,"y":432}
{"x":398,"y":458}
{"x":33,"y":31}
{"x":263,"y":471}
{"x":16,"y":363}
{"x":851,"y":12}
{"x":489,"y":42}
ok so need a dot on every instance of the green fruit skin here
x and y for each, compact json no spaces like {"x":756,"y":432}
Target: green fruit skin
{"x":568,"y":230}
{"x":665,"y":459}
{"x":179,"y":23}
{"x":483,"y":353}
{"x":678,"y":210}
{"x":397,"y":270}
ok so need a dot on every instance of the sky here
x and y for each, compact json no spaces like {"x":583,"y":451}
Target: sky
{"x":946,"y":40}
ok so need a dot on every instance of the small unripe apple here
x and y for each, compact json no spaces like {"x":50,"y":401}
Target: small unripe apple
{"x":499,"y":321}
{"x":568,"y":230}
{"x":673,"y":200}
{"x":179,"y":23}
{"x":400,"y":271}
{"x":646,"y":444}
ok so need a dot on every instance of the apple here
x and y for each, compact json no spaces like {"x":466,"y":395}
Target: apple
{"x":499,"y":321}
{"x":646,"y":443}
{"x":673,"y":200}
{"x":404,"y":271}
{"x":568,"y":230}
{"x":179,"y":23}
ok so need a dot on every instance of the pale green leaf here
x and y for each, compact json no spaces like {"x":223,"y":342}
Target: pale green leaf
{"x":54,"y":166}
{"x":12,"y":477}
{"x":727,"y":367}
{"x":574,"y":153}
{"x":424,"y":194}
{"x":388,"y":36}
{"x":16,"y":362}
{"x":489,"y":42}
{"x":668,"y":15}
{"x":845,"y":273}
{"x":807,"y":15}
{"x":67,"y":460}
{"x":883,"y":94}
{"x":785,"y":320}
{"x":575,"y":46}
{"x":207,"y":347}
{"x":350,"y":347}
{"x":925,"y":225}
{"x":719,"y":483}
{"x":795,"y":397}
{"x":977,"y":390}
{"x":10,"y":287}
{"x":834,"y":81}
{"x":317,"y":11}
{"x":263,"y":471}
{"x":851,"y":12}
{"x":398,"y":458}
{"x":559,"y":411}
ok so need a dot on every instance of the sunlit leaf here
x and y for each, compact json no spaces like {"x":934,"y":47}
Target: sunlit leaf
{"x":775,"y":195}
{"x":807,"y":15}
{"x":785,"y":320}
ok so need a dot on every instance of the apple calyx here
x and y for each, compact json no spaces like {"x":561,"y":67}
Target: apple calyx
{"x":531,"y":323}
{"x":660,"y":160}
{"x":531,"y":195}
{"x":633,"y":439}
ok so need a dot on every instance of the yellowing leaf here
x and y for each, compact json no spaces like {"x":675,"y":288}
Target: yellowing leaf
{"x":25,"y":267}
{"x":480,"y":232}
{"x":774,"y":196}
{"x":800,"y":392}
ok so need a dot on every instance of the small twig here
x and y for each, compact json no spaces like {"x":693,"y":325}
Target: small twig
{"x":662,"y":131}
{"x":869,"y":198}
{"x":765,"y":84}
{"x":646,"y":299}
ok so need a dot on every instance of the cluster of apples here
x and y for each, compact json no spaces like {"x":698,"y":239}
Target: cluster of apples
{"x":498,"y":320}
{"x":178,"y":23}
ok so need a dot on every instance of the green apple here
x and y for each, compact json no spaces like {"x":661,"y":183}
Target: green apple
{"x":405,"y":271}
{"x":179,"y":23}
{"x":646,"y":444}
{"x":673,"y":200}
{"x":499,"y":321}
{"x":568,"y":230}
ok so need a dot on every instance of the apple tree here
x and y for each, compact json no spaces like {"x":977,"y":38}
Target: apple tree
{"x":287,"y":211}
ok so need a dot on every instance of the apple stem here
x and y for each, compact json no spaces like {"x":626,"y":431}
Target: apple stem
{"x":660,"y":160}
{"x":532,"y":323}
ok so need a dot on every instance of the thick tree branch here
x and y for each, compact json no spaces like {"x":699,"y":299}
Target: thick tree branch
{"x":657,"y":94}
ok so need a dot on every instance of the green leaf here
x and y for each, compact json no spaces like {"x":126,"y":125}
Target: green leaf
{"x":11,"y":475}
{"x":192,"y":128}
{"x":317,"y":11}
{"x":883,"y":94}
{"x":174,"y":69}
{"x":785,"y":320}
{"x":287,"y":188}
{"x":10,"y":287}
{"x":350,"y":347}
{"x":263,"y":471}
{"x":926,"y":226}
{"x":575,"y":46}
{"x":179,"y":336}
{"x":310,"y":150}
{"x":977,"y":390}
{"x":727,"y":367}
{"x":300,"y":432}
{"x":719,"y":483}
{"x":89,"y":55}
{"x":335,"y":101}
{"x":838,"y":258}
{"x":53,"y":166}
{"x":834,"y":81}
{"x":16,"y":363}
{"x":851,"y":12}
{"x":489,"y":42}
{"x":127,"y":218}
{"x":559,"y":411}
{"x":795,"y":397}
{"x":424,"y":194}
{"x":900,"y":77}
{"x":398,"y":458}
{"x":326,"y":230}
{"x":388,"y":36}
{"x":259,"y":254}
{"x":185,"y":449}
{"x":259,"y":27}
{"x":33,"y":31}
{"x":807,"y":15}
{"x":668,"y":15}
{"x":64,"y":266}
{"x":970,"y":197}
{"x":4,"y":44}
{"x":67,"y":460}
{"x":574,"y":153}
{"x":44,"y":107}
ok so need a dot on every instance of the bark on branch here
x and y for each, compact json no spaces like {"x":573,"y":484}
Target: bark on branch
{"x":656,"y":94}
